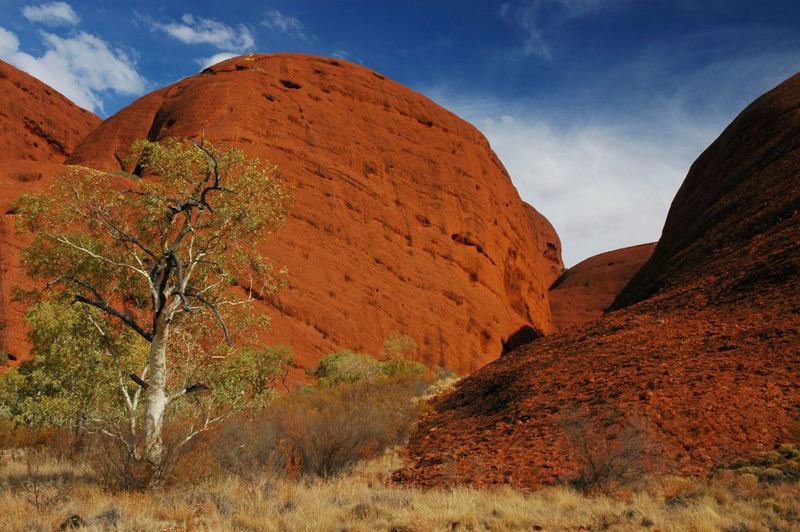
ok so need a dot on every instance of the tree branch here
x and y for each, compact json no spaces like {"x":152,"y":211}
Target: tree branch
{"x":216,"y":312}
{"x":125,"y":318}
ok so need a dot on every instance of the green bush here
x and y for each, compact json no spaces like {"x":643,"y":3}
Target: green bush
{"x":349,"y":366}
{"x":346,"y":366}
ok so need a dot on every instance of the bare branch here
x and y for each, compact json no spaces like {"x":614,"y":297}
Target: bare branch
{"x":216,"y":312}
{"x":126,"y":318}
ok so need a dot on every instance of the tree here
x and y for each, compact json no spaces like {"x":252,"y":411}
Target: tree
{"x":165,"y":255}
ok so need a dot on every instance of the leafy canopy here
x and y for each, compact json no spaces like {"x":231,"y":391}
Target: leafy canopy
{"x":125,"y":256}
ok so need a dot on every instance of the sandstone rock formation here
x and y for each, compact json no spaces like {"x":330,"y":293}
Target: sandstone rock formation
{"x":584,"y":292}
{"x":548,"y":241}
{"x":38,"y":129}
{"x":16,"y":177}
{"x":404,"y":218}
{"x":705,"y":349}
{"x":36,"y":122}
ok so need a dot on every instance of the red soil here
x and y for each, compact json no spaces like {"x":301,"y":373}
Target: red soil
{"x":404,"y":218}
{"x":709,"y":357}
{"x":36,"y":122}
{"x":585,"y":291}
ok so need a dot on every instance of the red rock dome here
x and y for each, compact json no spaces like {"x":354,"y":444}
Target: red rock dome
{"x":36,"y":122}
{"x":38,"y":129}
{"x":404,"y":218}
{"x":585,"y":291}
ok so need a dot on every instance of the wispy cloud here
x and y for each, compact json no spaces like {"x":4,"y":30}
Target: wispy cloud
{"x":82,"y":67}
{"x":206,"y":62}
{"x":287,"y":24}
{"x":536,"y":19}
{"x":605,"y":173}
{"x":601,"y":186}
{"x":51,"y":14}
{"x":199,"y":30}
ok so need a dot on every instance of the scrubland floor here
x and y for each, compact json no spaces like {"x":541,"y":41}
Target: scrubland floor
{"x":50,"y":494}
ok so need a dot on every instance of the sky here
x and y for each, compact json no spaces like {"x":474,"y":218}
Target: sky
{"x":597,"y":108}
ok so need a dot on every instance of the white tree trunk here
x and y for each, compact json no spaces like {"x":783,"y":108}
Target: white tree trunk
{"x":156,"y":394}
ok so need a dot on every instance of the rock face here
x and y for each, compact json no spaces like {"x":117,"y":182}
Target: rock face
{"x":724,"y":227}
{"x":585,"y":291}
{"x":38,"y":129}
{"x":36,"y":122}
{"x":705,"y":349}
{"x":16,"y":178}
{"x":548,"y":242}
{"x":404,"y":218}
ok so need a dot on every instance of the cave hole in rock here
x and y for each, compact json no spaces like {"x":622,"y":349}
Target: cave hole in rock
{"x":524,"y":335}
{"x":290,"y":84}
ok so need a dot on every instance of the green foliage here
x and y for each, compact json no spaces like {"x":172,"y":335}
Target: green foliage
{"x":71,"y":378}
{"x":400,"y":366}
{"x":398,"y":345}
{"x":348,"y":366}
{"x":100,"y":237}
{"x":252,"y":374}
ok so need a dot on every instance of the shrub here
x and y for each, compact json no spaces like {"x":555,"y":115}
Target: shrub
{"x":398,"y":345}
{"x":611,"y":451}
{"x":323,"y":432}
{"x":349,"y":366}
{"x":346,"y":366}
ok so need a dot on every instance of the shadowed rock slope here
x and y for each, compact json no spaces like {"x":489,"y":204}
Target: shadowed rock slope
{"x":36,"y":122}
{"x":705,"y":349}
{"x":404,"y":218}
{"x":584,"y":292}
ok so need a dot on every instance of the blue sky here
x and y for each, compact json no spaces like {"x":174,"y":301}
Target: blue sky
{"x":596,"y":107}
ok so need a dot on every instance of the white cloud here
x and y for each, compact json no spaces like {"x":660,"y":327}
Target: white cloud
{"x":8,"y":43}
{"x":601,"y":186}
{"x":206,"y":62}
{"x":275,"y":20}
{"x":341,"y":54}
{"x":80,"y":67}
{"x":198,"y":30}
{"x":604,"y":164}
{"x":52,"y":14}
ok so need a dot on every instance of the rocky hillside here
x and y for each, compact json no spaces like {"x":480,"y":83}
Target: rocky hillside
{"x":704,"y":353}
{"x":38,"y":129}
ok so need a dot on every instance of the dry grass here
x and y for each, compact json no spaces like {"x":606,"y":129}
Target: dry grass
{"x":363,"y":500}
